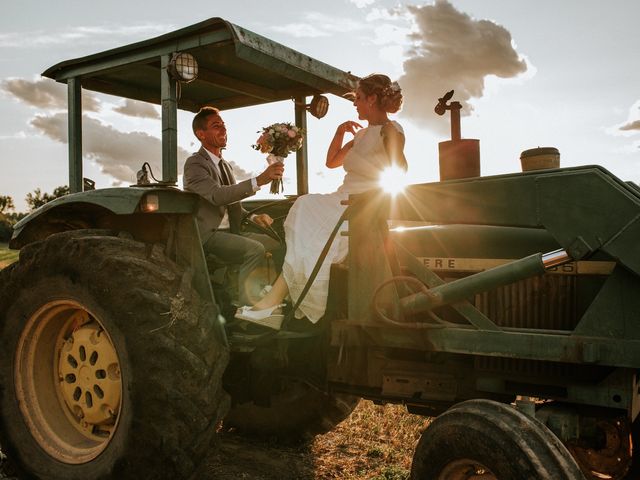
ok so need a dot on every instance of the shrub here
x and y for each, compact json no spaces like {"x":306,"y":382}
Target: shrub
{"x":6,"y":229}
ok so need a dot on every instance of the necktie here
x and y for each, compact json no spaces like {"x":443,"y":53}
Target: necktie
{"x":224,"y":173}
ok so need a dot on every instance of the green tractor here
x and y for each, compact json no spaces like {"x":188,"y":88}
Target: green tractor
{"x":503,"y":306}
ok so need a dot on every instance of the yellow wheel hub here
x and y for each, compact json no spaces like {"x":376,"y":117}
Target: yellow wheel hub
{"x":68,"y":381}
{"x":466,"y":469}
{"x":89,"y":376}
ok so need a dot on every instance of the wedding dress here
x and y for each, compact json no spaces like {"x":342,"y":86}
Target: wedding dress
{"x":313,"y":217}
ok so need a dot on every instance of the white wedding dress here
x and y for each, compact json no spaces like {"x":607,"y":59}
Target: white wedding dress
{"x":313,"y":217}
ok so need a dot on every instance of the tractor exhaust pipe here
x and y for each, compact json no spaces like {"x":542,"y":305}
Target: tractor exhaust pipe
{"x":458,"y":157}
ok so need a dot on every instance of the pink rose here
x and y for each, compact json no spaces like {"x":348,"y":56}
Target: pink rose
{"x":292,"y":134}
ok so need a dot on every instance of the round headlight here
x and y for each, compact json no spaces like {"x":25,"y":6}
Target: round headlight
{"x":319,"y":106}
{"x":183,"y":67}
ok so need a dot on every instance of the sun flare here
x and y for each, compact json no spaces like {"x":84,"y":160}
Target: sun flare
{"x":393,"y":180}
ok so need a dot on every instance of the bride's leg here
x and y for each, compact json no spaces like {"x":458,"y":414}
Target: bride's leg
{"x":276,"y":295}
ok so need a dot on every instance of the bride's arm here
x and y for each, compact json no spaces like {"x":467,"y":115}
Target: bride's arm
{"x":337,"y":151}
{"x":394,"y":145}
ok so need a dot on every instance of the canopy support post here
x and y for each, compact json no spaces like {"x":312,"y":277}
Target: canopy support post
{"x":74,"y":101}
{"x":302,"y":164}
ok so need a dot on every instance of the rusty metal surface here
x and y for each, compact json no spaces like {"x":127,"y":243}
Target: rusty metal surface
{"x":237,"y":68}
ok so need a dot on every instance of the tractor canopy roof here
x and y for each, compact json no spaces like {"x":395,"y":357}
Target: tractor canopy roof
{"x":236,"y":68}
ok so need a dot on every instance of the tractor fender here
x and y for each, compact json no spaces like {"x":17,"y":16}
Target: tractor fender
{"x":91,"y":209}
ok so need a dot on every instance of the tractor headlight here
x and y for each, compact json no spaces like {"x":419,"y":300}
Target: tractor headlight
{"x":150,"y":203}
{"x":183,"y":67}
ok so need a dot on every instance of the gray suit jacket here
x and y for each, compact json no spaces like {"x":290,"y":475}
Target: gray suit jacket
{"x":202,"y":176}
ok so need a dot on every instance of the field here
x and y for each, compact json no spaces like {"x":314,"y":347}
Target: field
{"x":375,"y":443}
{"x":7,"y":256}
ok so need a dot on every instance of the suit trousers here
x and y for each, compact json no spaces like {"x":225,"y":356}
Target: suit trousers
{"x":248,"y":251}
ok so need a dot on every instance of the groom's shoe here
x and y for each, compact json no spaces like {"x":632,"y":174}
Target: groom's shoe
{"x":265,"y":317}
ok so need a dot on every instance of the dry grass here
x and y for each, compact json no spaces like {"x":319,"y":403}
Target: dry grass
{"x":375,"y":443}
{"x":7,"y":256}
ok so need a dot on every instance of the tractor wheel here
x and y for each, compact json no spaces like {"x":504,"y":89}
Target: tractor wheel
{"x":298,"y":412}
{"x":483,"y":439}
{"x":634,"y":471}
{"x":110,"y":364}
{"x":610,"y":455}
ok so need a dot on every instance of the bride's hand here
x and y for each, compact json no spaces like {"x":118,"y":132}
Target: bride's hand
{"x":348,"y":127}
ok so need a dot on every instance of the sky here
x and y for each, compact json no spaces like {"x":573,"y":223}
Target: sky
{"x":529,"y":73}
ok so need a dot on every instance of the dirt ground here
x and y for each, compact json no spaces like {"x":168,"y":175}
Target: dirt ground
{"x":243,"y":459}
{"x":375,"y":443}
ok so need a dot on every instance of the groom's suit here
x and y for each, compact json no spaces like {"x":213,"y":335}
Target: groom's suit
{"x":202,"y":175}
{"x":213,"y":179}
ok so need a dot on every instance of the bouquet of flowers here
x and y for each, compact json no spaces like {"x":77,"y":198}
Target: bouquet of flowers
{"x":278,"y":140}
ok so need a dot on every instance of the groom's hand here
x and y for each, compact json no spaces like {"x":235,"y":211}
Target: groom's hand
{"x":272,"y":172}
{"x":263,"y":220}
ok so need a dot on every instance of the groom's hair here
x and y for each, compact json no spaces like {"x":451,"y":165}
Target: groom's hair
{"x":200,"y":119}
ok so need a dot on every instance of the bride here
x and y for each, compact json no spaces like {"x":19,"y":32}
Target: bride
{"x":313,"y":217}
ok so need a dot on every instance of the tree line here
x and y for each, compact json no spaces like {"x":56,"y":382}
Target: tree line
{"x":35,"y":199}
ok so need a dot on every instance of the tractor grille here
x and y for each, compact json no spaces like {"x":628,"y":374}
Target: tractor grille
{"x":544,"y":302}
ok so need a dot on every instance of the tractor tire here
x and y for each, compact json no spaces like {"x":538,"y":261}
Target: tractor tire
{"x":634,"y":471}
{"x":297,"y":413}
{"x":110,"y":364}
{"x":489,"y":440}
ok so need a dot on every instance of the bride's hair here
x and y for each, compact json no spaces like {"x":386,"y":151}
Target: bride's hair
{"x":389,"y":93}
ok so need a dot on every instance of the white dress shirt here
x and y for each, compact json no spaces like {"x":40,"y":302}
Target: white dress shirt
{"x":224,"y":223}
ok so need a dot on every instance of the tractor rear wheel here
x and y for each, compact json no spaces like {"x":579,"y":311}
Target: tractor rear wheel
{"x":111,"y":365}
{"x":483,"y":439}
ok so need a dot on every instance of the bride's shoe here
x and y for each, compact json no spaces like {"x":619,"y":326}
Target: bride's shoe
{"x":265,"y":317}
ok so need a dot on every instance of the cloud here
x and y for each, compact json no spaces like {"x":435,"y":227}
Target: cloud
{"x":317,"y":24}
{"x":451,"y":50}
{"x":389,"y":34}
{"x":301,"y":30}
{"x":45,"y":94}
{"x":119,"y":154}
{"x":635,"y":125}
{"x":133,"y":108}
{"x":103,"y":34}
{"x":376,"y":14}
{"x":362,"y":3}
{"x":21,"y":135}
{"x":633,"y":121}
{"x":628,"y":128}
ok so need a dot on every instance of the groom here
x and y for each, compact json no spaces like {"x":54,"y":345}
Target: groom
{"x":220,"y":215}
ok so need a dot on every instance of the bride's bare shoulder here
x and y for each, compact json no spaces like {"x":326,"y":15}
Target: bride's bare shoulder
{"x":392,"y":129}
